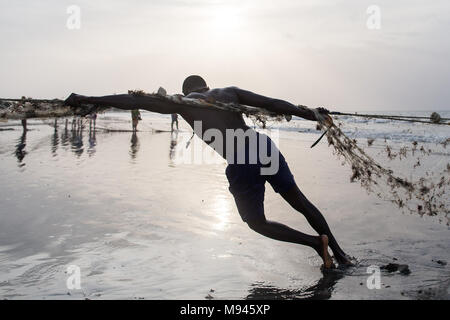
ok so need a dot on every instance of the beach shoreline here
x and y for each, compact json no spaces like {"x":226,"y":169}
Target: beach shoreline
{"x":139,"y":224}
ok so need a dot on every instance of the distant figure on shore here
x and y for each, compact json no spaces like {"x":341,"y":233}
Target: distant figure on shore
{"x":92,"y":120}
{"x":80,"y":123}
{"x":134,"y":147}
{"x":174,"y":120}
{"x":24,"y":124}
{"x":135,"y":117}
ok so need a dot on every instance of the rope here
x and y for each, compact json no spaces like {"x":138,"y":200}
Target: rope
{"x":392,"y":117}
{"x":248,"y":110}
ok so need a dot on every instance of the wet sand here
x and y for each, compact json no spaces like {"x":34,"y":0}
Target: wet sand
{"x":141,"y":225}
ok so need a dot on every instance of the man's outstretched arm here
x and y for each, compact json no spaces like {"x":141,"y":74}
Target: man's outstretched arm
{"x":275,"y":105}
{"x":127,"y":102}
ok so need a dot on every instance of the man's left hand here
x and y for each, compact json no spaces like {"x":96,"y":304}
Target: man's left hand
{"x":323,"y":110}
{"x":322,"y":116}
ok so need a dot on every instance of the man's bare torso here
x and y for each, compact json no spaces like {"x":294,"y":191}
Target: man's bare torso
{"x":215,"y":119}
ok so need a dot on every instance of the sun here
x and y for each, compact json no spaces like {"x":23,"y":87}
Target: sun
{"x":225,"y":19}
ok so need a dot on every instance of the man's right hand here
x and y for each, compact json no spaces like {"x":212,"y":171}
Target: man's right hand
{"x":73,"y":100}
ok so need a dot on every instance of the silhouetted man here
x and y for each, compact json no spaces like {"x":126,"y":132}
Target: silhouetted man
{"x":247,"y":184}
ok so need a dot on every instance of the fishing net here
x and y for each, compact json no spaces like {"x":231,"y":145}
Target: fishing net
{"x":424,"y":193}
{"x":28,"y":108}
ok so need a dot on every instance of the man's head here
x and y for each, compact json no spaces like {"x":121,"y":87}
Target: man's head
{"x":194,"y":84}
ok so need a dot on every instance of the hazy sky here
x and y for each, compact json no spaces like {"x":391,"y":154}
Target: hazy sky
{"x":314,"y":52}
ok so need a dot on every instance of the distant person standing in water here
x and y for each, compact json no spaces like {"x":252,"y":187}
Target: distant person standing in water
{"x":94,"y":118}
{"x":174,"y":120}
{"x":135,"y":117}
{"x":24,"y":124}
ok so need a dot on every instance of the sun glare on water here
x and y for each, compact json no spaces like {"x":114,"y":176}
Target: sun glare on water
{"x":222,"y":210}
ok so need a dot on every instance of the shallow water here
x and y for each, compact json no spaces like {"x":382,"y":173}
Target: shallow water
{"x":142,"y":225}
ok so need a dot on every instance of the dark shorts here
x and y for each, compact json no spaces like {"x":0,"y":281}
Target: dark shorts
{"x":247,"y":185}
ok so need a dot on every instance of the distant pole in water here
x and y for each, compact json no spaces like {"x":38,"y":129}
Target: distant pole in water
{"x":435,"y":117}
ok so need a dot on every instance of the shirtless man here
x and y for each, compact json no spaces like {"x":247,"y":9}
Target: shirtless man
{"x":247,"y":184}
{"x":174,"y":120}
{"x":135,"y":117}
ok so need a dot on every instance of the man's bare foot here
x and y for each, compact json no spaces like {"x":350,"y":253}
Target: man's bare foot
{"x":344,"y":261}
{"x":327,"y":260}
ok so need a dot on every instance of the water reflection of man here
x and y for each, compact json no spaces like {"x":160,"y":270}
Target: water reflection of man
{"x":55,"y":140}
{"x":65,"y":134}
{"x":77,"y":141}
{"x":92,"y":140}
{"x":322,"y":290}
{"x":173,"y":144}
{"x":20,"y":148}
{"x":24,"y":124}
{"x":134,"y":148}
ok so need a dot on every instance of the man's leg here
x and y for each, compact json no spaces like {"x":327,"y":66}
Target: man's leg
{"x":300,"y":203}
{"x":247,"y":188}
{"x":283,"y":182}
{"x":281,"y":232}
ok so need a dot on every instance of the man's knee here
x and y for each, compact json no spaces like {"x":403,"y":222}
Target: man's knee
{"x":297,"y":200}
{"x":256,"y":224}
